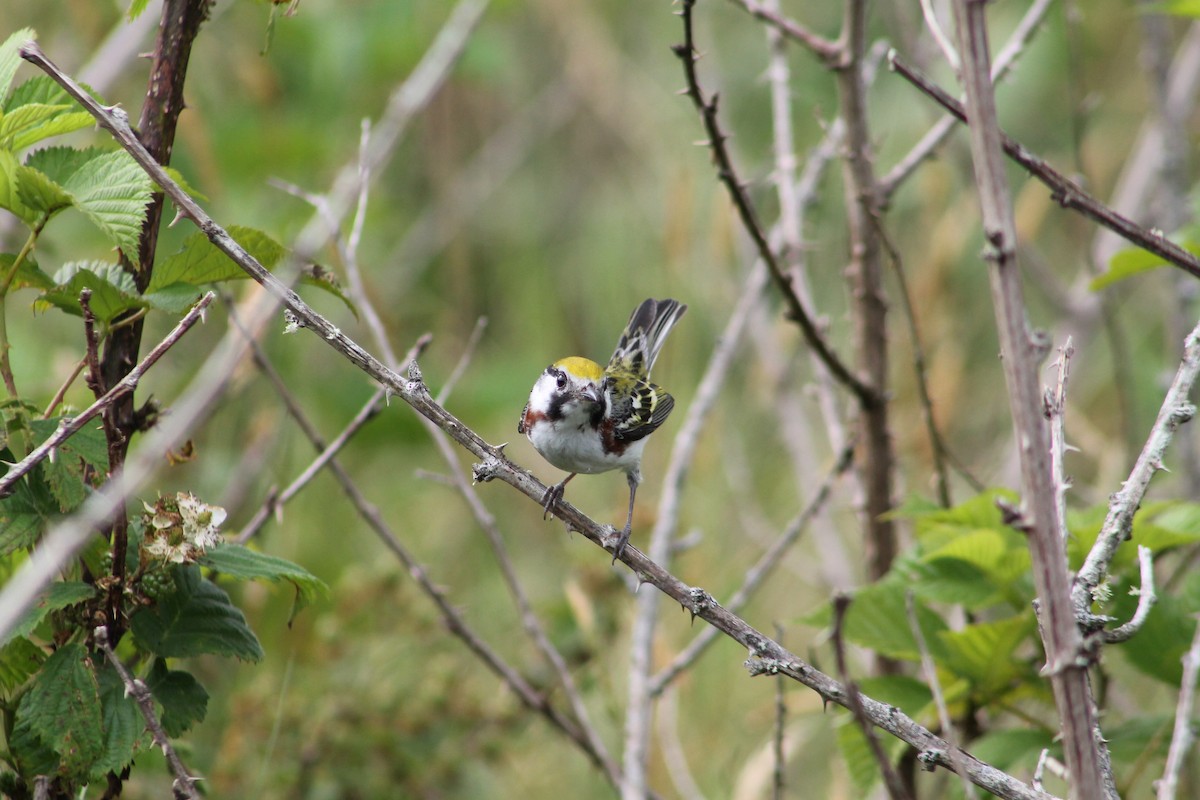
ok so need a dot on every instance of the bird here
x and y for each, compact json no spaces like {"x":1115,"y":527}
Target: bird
{"x":587,"y":419}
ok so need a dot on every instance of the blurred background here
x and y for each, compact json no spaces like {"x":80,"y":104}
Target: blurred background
{"x":552,"y":184}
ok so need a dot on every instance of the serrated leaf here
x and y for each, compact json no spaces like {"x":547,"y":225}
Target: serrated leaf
{"x":198,"y":261}
{"x":55,"y":597}
{"x":174,"y":299}
{"x":242,"y":562}
{"x":20,"y":120}
{"x":19,"y":659}
{"x":112,"y":191}
{"x":25,"y":513}
{"x":10,"y":59}
{"x":66,"y":475}
{"x":997,"y":553}
{"x":38,"y":192}
{"x":10,"y":196}
{"x":88,"y":443}
{"x":62,"y":710}
{"x":29,"y":274}
{"x":60,"y":163}
{"x":136,"y":7}
{"x":952,"y":580}
{"x":122,"y":723}
{"x":184,"y":701}
{"x":196,"y":618}
{"x":985,"y":652}
{"x":113,"y":290}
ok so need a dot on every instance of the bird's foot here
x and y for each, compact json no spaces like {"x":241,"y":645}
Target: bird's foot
{"x":619,"y":550}
{"x":551,"y":498}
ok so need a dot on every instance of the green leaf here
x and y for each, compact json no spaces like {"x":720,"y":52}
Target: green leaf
{"x":1134,"y":261}
{"x":878,"y":620}
{"x":66,"y":117}
{"x":1011,"y":749}
{"x":903,"y":691}
{"x":62,"y":710}
{"x":112,"y":191}
{"x":136,"y":7}
{"x":237,"y":561}
{"x":1133,"y":740}
{"x":113,"y":290}
{"x":198,"y":261}
{"x":174,"y":299}
{"x":122,"y":723}
{"x":856,"y":752}
{"x":997,"y":553}
{"x":20,"y":120}
{"x":197,"y":618}
{"x":66,"y":474}
{"x":1158,"y":648}
{"x":38,"y":192}
{"x":29,"y":274}
{"x":986,"y":652}
{"x":55,"y":597}
{"x":10,"y":195}
{"x":25,"y":512}
{"x":61,"y":162}
{"x":184,"y":701}
{"x":10,"y":59}
{"x":19,"y":659}
{"x":951,"y":580}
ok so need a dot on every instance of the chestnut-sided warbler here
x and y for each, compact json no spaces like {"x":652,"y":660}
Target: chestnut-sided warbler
{"x":584,"y":418}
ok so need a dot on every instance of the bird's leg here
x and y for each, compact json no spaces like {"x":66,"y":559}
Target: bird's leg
{"x":554,"y":494}
{"x":619,"y":550}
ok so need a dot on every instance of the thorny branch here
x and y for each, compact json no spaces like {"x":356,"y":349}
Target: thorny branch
{"x":707,"y":108}
{"x":184,"y":785}
{"x":765,"y":655}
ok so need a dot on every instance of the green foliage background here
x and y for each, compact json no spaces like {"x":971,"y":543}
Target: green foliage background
{"x":593,"y":197}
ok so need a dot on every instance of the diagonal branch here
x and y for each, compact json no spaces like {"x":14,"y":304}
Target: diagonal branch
{"x":1065,"y":191}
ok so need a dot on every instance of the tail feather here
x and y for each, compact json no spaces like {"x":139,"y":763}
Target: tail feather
{"x":645,"y":334}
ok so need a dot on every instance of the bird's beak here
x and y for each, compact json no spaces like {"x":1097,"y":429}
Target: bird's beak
{"x":591,"y":393}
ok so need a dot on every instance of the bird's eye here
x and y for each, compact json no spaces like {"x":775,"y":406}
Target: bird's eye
{"x":561,"y":380}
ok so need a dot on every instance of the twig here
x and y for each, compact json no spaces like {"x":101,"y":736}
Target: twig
{"x":797,"y":312}
{"x":464,"y":361}
{"x":1146,"y":600}
{"x":827,"y":50}
{"x":939,"y":36}
{"x":1176,"y":409}
{"x":941,"y":130}
{"x":756,"y":575}
{"x":1064,"y":191}
{"x":62,"y":390}
{"x":1066,"y":660}
{"x":673,"y":756}
{"x":184,"y":785}
{"x":777,"y":782}
{"x":1055,"y":409}
{"x":69,"y":426}
{"x":639,"y":693}
{"x":895,"y":789}
{"x":929,"y":672}
{"x":1181,"y":738}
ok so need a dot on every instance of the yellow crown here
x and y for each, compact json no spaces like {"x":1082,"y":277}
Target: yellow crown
{"x":581,"y":367}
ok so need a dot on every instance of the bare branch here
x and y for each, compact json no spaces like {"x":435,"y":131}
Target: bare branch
{"x":1066,"y":659}
{"x":1055,"y":406}
{"x":1181,"y":738}
{"x":184,"y":785}
{"x":825,"y":49}
{"x":1146,"y":600}
{"x":1176,"y":409}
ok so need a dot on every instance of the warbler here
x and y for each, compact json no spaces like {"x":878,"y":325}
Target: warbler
{"x":584,"y":418}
